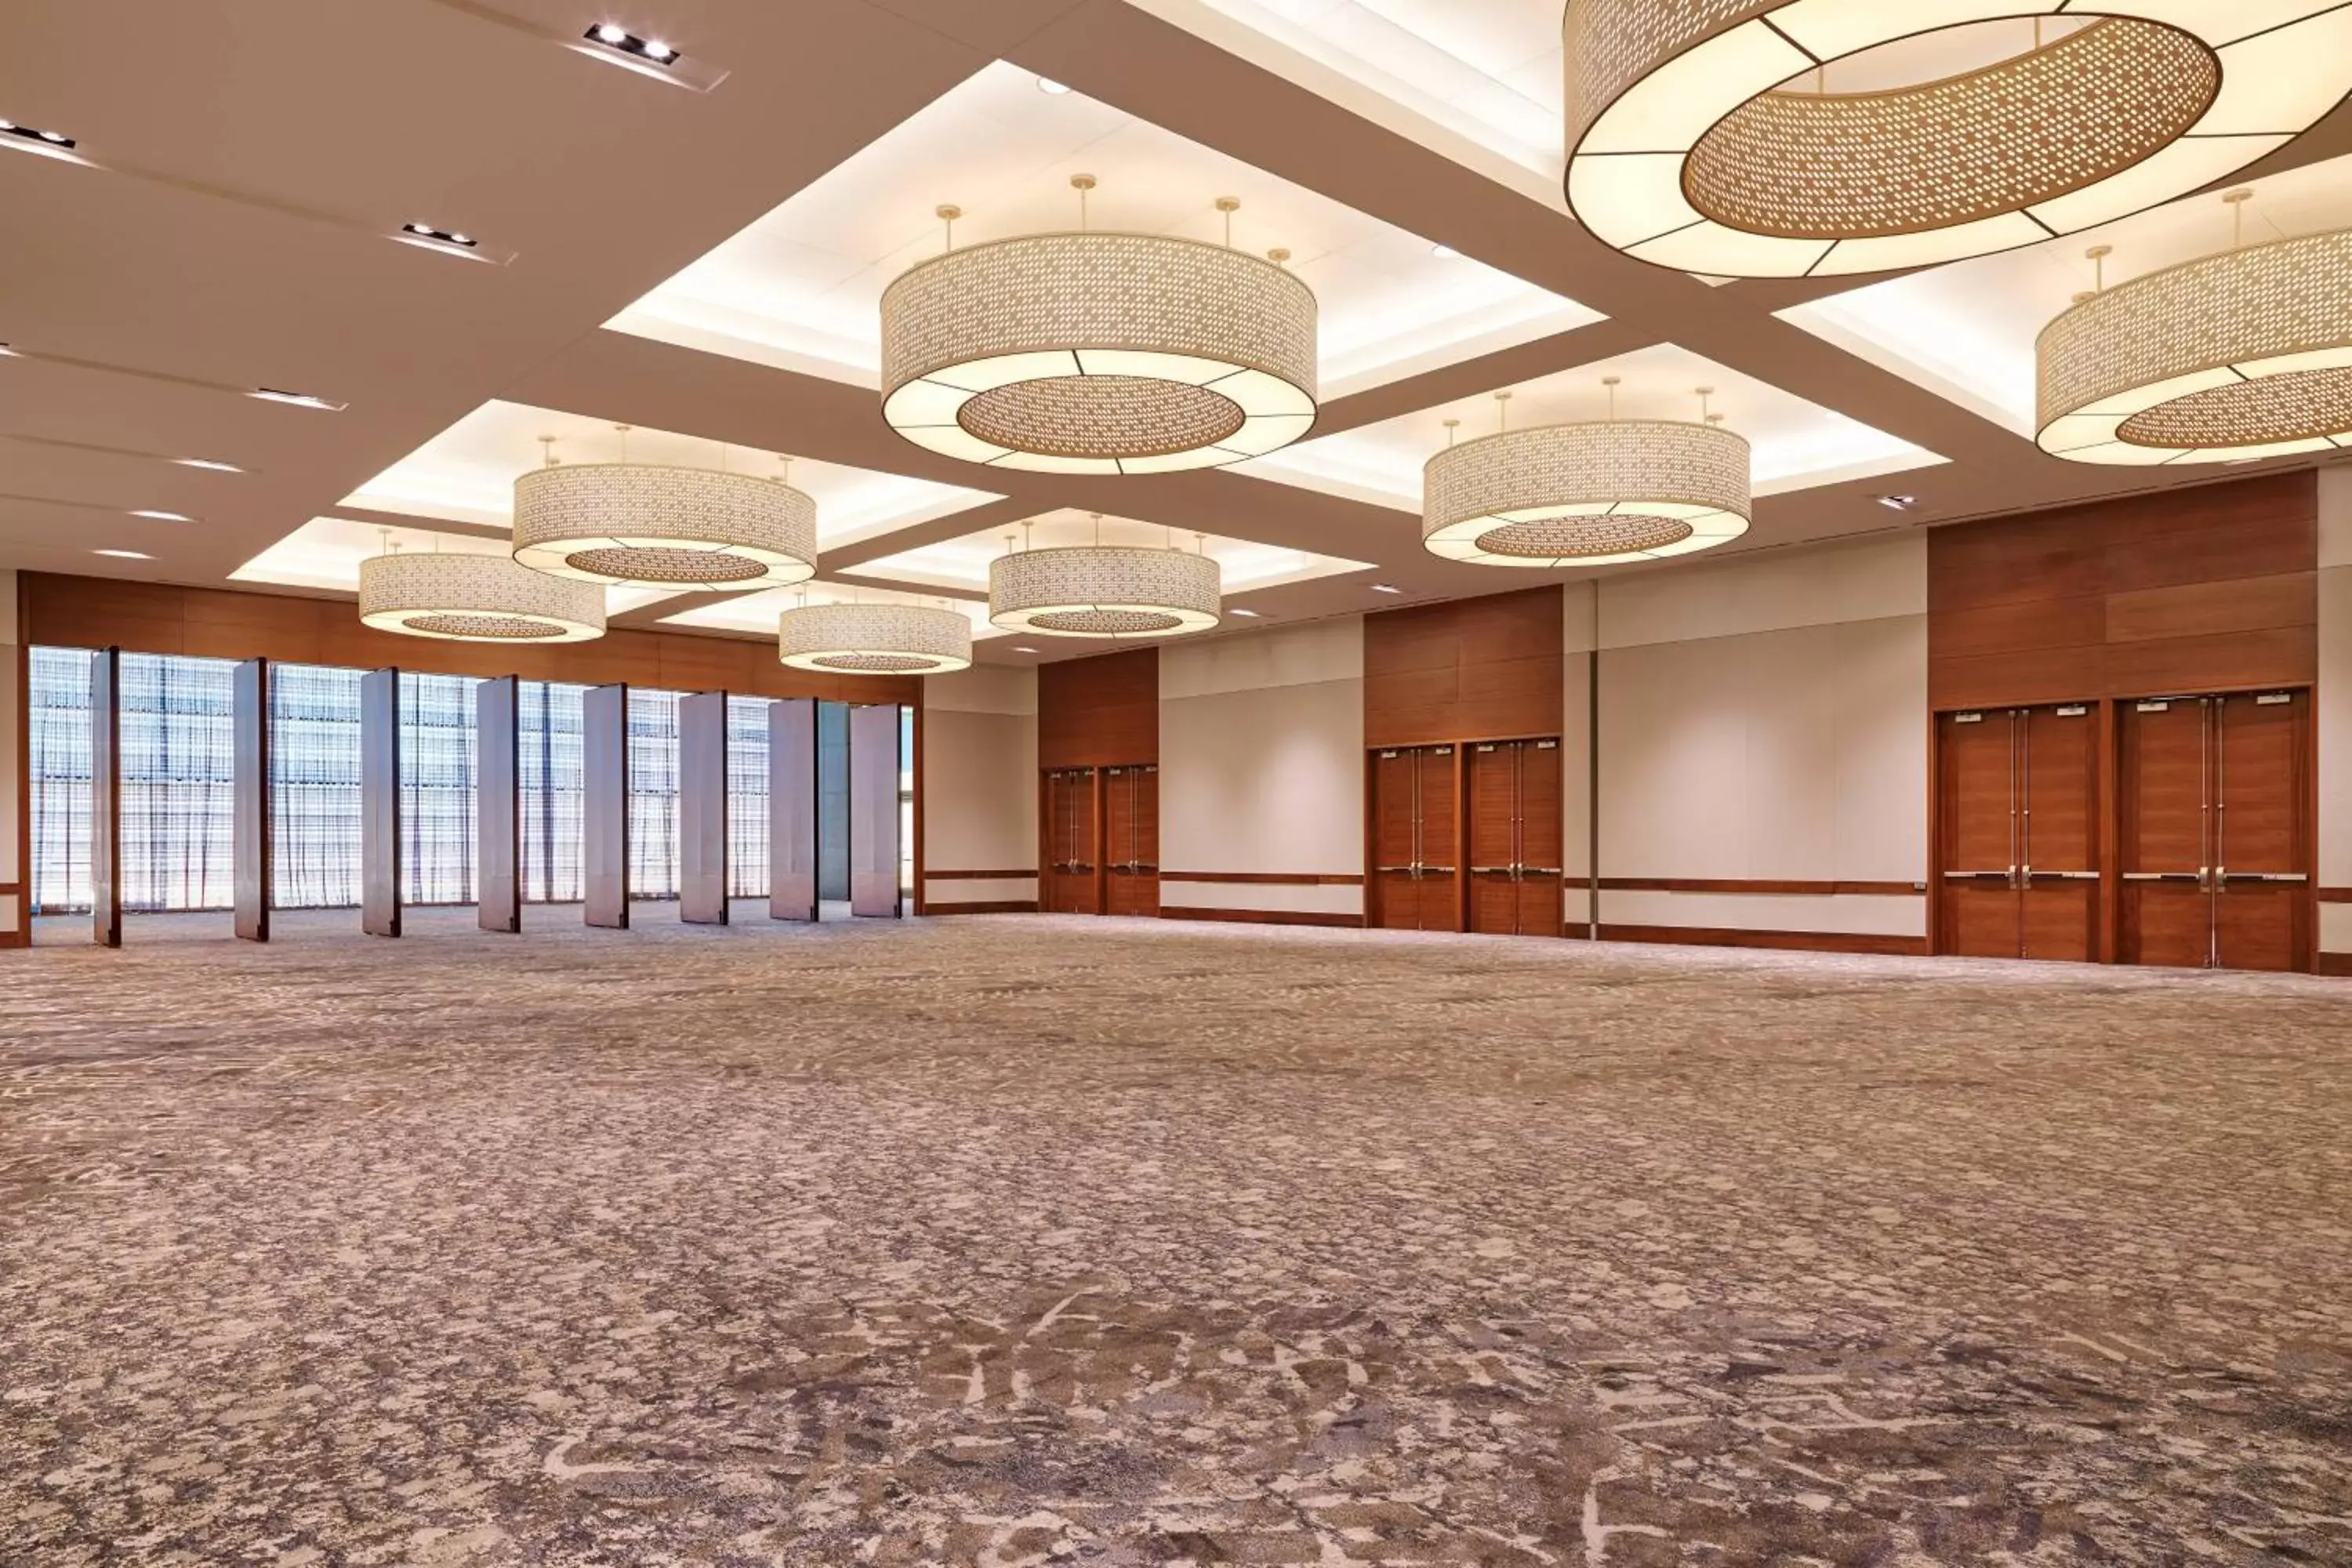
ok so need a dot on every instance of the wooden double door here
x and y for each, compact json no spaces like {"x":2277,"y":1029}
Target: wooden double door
{"x":2215,"y":847}
{"x":1101,"y":840}
{"x":1516,"y":835}
{"x":1416,"y":838}
{"x":2021,"y":833}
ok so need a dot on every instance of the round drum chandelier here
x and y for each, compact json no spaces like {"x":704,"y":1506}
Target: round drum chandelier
{"x":874,"y":639}
{"x":1099,"y":352}
{"x":1705,"y":135}
{"x":1594,"y":494}
{"x":1105,"y":591}
{"x":475,"y":598}
{"x":657,"y":525}
{"x":2244,"y":354}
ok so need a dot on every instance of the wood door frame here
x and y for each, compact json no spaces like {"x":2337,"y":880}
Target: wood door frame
{"x":2106,"y":808}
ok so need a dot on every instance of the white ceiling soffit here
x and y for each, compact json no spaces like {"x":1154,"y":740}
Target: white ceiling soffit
{"x":1798,"y":445}
{"x":756,"y":613}
{"x":1478,"y":81}
{"x":326,"y":552}
{"x":962,"y":564}
{"x":466,"y":473}
{"x":801,"y":289}
{"x":1965,"y":331}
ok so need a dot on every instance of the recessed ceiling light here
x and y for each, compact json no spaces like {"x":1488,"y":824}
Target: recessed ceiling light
{"x":218,"y":467}
{"x":446,"y":237}
{"x":153,"y":516}
{"x":1237,"y":610}
{"x":1899,"y":503}
{"x":26,"y":133}
{"x":1025,"y":650}
{"x":619,"y":39}
{"x":1386,"y":588}
{"x":299,"y":399}
{"x":125,"y":555}
{"x":1048,"y":84}
{"x":1444,"y":253}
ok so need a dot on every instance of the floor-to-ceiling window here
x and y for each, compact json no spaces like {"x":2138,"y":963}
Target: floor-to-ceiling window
{"x":438,"y":758}
{"x":747,"y":797}
{"x":314,"y":786}
{"x":550,"y":758}
{"x":653,"y":794}
{"x":58,"y":765}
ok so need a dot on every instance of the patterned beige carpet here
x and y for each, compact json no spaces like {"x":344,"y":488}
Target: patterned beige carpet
{"x":1017,"y":1241}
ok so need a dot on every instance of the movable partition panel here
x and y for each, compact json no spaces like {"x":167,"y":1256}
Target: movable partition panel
{"x":792,"y":810}
{"x":106,"y":796}
{"x":604,"y":804}
{"x":250,"y":711}
{"x":874,"y":811}
{"x":380,"y":802}
{"x":702,"y":808}
{"x":498,"y":803}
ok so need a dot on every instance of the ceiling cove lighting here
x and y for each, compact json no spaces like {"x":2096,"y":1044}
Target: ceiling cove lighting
{"x":296,"y":399}
{"x":1099,"y":352}
{"x":2230,"y":358}
{"x":1594,"y":494}
{"x":475,"y":598}
{"x":661,"y":526}
{"x":1117,"y":592}
{"x":1776,"y":139}
{"x":874,"y":639}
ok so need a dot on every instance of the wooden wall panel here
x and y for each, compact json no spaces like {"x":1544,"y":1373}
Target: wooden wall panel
{"x":2208,"y":589}
{"x":702,"y":808}
{"x":218,"y":622}
{"x":497,"y":804}
{"x":250,"y":819}
{"x":105,"y":799}
{"x":604,"y":804}
{"x":1098,"y":713}
{"x":1473,"y":669}
{"x":380,"y":801}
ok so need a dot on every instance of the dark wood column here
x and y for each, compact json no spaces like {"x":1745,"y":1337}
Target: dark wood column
{"x":380,"y":801}
{"x":498,"y":803}
{"x":604,"y":804}
{"x":874,"y":811}
{"x":792,"y":810}
{"x":106,"y":797}
{"x":253,"y":824}
{"x":702,"y":808}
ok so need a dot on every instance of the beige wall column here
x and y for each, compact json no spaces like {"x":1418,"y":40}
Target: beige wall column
{"x":1580,"y":622}
{"x":2334,"y":701}
{"x":979,"y":789}
{"x":1262,"y":775}
{"x":1763,"y":722}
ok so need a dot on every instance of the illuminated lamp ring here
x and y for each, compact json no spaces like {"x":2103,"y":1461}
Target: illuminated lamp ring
{"x":1687,"y":153}
{"x":1597,"y":494}
{"x":1098,"y":354}
{"x":462,"y":597}
{"x":2244,"y":354}
{"x":874,"y":639}
{"x":658,"y":526}
{"x":1110,"y":591}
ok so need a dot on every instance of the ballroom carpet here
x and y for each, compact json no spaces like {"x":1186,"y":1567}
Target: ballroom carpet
{"x":1016,"y":1241}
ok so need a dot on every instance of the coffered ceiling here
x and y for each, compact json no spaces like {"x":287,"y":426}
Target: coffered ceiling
{"x":700,"y":258}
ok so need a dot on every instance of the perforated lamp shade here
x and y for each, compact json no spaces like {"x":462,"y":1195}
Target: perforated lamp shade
{"x":476,"y":598}
{"x":660,"y":526}
{"x":2244,"y":354}
{"x":1587,"y":495}
{"x":1098,"y":354}
{"x":1696,"y":141}
{"x":874,"y":639}
{"x":1105,"y":591}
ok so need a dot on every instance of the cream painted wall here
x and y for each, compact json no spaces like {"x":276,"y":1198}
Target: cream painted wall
{"x":1580,"y":622}
{"x":1261,"y":766}
{"x":12,"y":806}
{"x":2334,"y":698}
{"x":980,"y":783}
{"x":1767,"y":720}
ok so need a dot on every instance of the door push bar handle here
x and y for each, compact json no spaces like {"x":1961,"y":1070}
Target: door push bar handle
{"x":1977,"y":876}
{"x":2265,"y":877}
{"x":2196,"y":877}
{"x":2065,"y":876}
